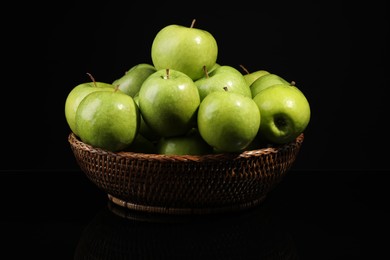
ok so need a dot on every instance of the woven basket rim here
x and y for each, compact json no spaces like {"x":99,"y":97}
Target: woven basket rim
{"x":75,"y":141}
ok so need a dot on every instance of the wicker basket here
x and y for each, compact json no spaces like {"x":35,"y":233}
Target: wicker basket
{"x":190,"y":184}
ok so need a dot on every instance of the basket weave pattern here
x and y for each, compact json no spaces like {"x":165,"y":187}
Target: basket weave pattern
{"x":186,"y":184}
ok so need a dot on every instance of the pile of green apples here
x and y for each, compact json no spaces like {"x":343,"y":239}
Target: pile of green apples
{"x":186,"y":103}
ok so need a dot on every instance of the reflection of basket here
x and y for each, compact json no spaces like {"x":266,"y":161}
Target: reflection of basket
{"x":186,"y":184}
{"x":129,"y":234}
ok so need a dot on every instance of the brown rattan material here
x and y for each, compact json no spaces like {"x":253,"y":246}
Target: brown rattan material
{"x":182,"y":184}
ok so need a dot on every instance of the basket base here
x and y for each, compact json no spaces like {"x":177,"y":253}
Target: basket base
{"x":184,"y":211}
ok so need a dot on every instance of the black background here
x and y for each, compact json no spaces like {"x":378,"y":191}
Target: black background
{"x":336,"y":53}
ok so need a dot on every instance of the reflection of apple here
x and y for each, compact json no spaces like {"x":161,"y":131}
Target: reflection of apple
{"x":266,"y":81}
{"x":168,"y":101}
{"x":250,"y":77}
{"x":77,"y":94}
{"x":285,"y":113}
{"x":228,"y":121}
{"x":108,"y":120}
{"x":186,"y":49}
{"x":189,"y":144}
{"x":221,"y":77}
{"x":132,"y":80}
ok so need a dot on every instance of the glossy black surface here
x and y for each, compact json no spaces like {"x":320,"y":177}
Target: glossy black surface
{"x":310,"y":215}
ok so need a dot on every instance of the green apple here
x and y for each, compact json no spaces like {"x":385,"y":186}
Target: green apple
{"x":168,"y":101}
{"x":221,"y":77}
{"x":188,"y":144}
{"x":258,"y":143}
{"x":142,"y":144}
{"x":108,"y":120}
{"x":250,"y":77}
{"x":228,"y":121}
{"x":144,"y":129}
{"x":266,"y":81}
{"x":183,"y":48}
{"x":285,"y":113}
{"x":131,"y":81}
{"x":77,"y":94}
{"x":216,"y":65}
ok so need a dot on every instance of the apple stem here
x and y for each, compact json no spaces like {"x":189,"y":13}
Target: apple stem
{"x":225,"y":88}
{"x":193,"y":23}
{"x":244,"y":69}
{"x":92,"y":78}
{"x":205,"y":71}
{"x":292,"y":83}
{"x":167,"y":72}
